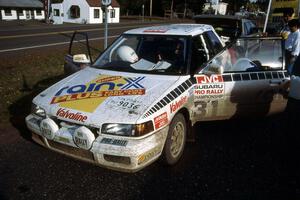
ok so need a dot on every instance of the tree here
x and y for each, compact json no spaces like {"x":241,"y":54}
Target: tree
{"x":134,"y":7}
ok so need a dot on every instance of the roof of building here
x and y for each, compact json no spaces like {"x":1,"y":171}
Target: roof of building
{"x":21,"y":3}
{"x":173,"y":29}
{"x":97,"y":3}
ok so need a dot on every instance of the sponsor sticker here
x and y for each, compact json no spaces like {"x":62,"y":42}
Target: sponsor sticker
{"x":161,"y":120}
{"x":124,"y":103}
{"x":177,"y":104}
{"x":156,"y":30}
{"x":63,"y":139}
{"x":204,"y":79}
{"x":83,"y":138}
{"x":67,"y":114}
{"x":114,"y":142}
{"x":88,"y":97}
{"x":209,"y":87}
{"x":148,"y":155}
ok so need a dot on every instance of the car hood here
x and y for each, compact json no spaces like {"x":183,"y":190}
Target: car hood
{"x":93,"y":96}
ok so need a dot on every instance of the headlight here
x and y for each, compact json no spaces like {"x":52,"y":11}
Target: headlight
{"x":37,"y":110}
{"x":133,"y":130}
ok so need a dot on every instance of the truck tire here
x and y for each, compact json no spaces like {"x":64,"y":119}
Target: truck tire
{"x":175,"y":141}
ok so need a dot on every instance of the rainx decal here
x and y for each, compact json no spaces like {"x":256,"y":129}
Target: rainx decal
{"x":102,"y":89}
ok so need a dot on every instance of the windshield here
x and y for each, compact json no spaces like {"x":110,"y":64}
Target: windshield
{"x":146,"y":54}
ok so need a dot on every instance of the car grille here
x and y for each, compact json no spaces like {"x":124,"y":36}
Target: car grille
{"x":76,"y":152}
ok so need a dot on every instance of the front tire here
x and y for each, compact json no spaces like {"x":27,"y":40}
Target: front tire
{"x":175,"y":141}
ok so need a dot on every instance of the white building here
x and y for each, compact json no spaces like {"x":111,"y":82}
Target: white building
{"x":221,"y":8}
{"x":21,"y":9}
{"x":84,"y":12}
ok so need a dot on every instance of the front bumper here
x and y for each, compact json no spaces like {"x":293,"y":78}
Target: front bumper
{"x":114,"y":152}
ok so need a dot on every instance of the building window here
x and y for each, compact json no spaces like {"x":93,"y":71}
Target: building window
{"x":75,"y":11}
{"x":96,"y":13}
{"x":112,"y":13}
{"x":56,"y":12}
{"x":39,"y":12}
{"x":7,"y":12}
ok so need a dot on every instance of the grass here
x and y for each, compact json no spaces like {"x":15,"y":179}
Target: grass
{"x":26,"y":75}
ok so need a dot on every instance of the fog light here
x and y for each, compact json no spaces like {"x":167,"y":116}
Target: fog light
{"x":48,"y":128}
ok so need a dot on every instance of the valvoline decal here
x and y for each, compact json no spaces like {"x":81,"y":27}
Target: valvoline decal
{"x":88,"y":97}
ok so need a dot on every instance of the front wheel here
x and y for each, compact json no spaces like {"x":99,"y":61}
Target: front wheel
{"x":175,"y":142}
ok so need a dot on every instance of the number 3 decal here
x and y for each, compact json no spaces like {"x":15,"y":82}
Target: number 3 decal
{"x":201,"y":108}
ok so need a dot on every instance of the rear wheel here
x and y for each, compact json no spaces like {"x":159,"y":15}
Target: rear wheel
{"x":175,"y":142}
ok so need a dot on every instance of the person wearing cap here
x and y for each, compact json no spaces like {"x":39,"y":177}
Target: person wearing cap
{"x":292,"y":44}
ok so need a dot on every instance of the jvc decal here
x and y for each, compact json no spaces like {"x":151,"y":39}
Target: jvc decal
{"x":202,"y":79}
{"x":209,"y":87}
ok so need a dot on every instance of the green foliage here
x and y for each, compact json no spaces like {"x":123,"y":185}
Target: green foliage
{"x":134,"y":7}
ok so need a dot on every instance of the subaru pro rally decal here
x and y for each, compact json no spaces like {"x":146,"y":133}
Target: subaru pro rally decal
{"x":209,"y":87}
{"x":89,"y":96}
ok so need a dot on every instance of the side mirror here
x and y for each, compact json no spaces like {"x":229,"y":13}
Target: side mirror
{"x":81,"y":59}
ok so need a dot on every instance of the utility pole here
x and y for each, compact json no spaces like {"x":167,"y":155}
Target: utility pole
{"x":217,"y":7}
{"x":184,"y":12}
{"x":105,"y":3}
{"x":143,"y":12}
{"x":172,"y":3}
{"x":46,"y":8}
{"x":267,"y":16}
{"x":150,"y":8}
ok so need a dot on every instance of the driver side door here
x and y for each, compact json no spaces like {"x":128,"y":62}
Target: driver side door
{"x":237,"y":84}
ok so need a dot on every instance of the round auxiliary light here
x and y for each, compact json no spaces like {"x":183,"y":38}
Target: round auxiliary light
{"x":48,"y":128}
{"x":83,"y":138}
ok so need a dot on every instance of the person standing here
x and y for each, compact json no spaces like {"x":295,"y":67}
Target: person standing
{"x":285,"y":30}
{"x":292,"y":45}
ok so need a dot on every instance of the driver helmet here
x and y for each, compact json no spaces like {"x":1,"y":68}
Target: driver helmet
{"x":127,"y":54}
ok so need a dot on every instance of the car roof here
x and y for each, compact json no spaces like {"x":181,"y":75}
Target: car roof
{"x":173,"y":29}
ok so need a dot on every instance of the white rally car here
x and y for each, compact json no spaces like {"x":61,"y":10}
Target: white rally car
{"x":140,"y":99}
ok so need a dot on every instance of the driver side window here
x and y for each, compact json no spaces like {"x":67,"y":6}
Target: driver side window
{"x":249,"y":55}
{"x":199,"y":53}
